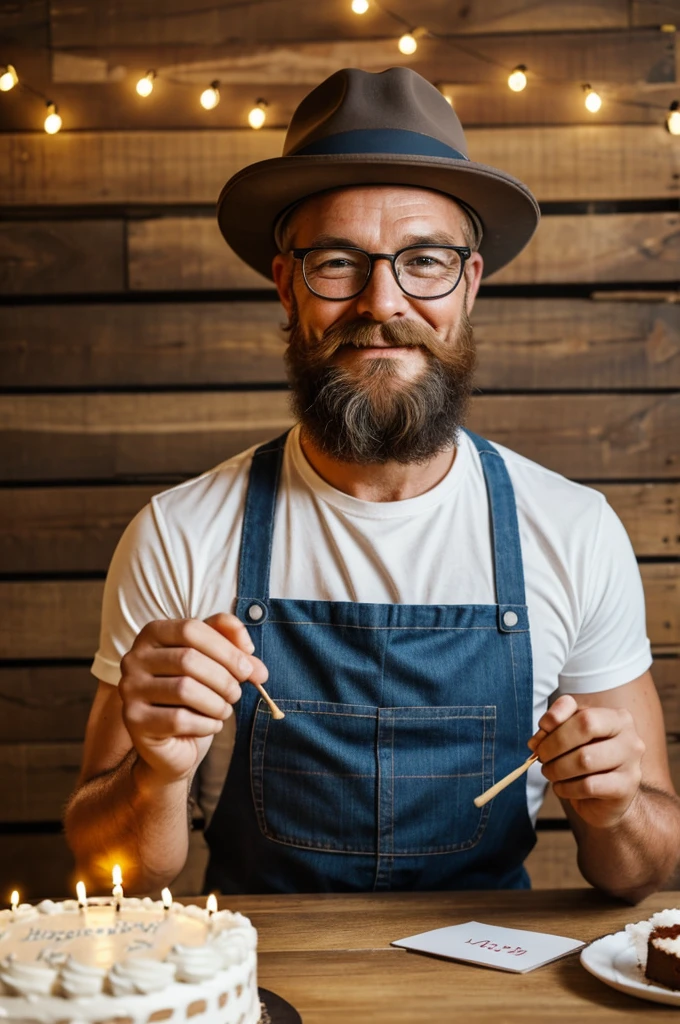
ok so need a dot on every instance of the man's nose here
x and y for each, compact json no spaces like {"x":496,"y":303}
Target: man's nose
{"x":382,"y":298}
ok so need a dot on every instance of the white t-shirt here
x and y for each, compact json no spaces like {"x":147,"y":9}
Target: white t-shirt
{"x":179,"y":559}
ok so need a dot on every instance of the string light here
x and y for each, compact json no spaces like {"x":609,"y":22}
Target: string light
{"x":593,"y":100}
{"x":52,"y":121}
{"x":145,"y":85}
{"x":359,"y":6}
{"x":8,"y":78}
{"x":517,"y":80}
{"x":408,"y":43}
{"x":210,"y":97}
{"x":673,"y":118}
{"x":258,"y":115}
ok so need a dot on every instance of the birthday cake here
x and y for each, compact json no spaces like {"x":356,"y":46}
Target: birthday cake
{"x":657,"y":945}
{"x":140,"y":963}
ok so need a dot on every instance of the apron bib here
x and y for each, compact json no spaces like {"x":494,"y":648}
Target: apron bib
{"x":397,"y":716}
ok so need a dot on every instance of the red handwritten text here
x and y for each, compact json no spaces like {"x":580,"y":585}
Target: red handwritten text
{"x":494,"y":947}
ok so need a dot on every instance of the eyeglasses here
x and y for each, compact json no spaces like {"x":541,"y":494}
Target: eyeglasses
{"x":421,"y":271}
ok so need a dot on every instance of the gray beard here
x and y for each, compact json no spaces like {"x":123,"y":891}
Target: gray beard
{"x":368,"y":414}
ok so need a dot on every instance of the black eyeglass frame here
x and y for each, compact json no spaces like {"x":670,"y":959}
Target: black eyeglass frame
{"x":464,"y":251}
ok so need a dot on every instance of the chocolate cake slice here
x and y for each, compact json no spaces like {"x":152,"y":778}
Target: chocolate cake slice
{"x":663,"y":956}
{"x":657,"y":946}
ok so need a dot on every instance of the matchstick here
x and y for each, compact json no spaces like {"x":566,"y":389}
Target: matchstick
{"x":490,"y":793}
{"x":277,"y":713}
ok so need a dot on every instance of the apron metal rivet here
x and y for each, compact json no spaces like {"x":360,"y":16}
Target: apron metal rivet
{"x":255,"y":612}
{"x":510,"y":619}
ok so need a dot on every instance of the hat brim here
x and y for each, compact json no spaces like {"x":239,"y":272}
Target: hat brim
{"x":252,"y":201}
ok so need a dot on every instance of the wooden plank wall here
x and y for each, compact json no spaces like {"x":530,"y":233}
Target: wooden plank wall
{"x":136,"y":350}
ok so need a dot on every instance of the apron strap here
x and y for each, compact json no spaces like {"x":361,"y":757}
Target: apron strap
{"x":258,"y":529}
{"x":258,"y":520}
{"x":507,"y":551}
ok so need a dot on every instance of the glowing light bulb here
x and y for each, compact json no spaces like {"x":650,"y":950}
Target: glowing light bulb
{"x":8,"y":78}
{"x":210,"y":97}
{"x":518,"y":79}
{"x":673,"y":118}
{"x":145,"y":85}
{"x":52,"y":121}
{"x":593,"y":101}
{"x":258,"y":116}
{"x":359,"y":6}
{"x":408,"y":44}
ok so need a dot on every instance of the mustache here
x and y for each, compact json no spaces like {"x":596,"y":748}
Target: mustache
{"x":365,"y":334}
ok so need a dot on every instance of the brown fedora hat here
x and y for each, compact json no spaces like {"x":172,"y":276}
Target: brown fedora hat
{"x":362,"y":128}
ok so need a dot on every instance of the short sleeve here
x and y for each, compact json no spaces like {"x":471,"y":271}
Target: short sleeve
{"x":611,"y":647}
{"x":141,"y":587}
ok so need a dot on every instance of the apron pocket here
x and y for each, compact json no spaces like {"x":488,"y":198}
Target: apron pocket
{"x":433,"y":763}
{"x":313,"y":775}
{"x":351,"y":778}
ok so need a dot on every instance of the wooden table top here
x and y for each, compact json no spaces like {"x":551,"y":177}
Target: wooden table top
{"x":330,"y":956}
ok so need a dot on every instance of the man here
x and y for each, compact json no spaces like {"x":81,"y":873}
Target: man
{"x":412,"y":594}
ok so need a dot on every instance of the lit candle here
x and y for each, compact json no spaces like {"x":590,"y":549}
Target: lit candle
{"x":117,"y":879}
{"x":82,"y":895}
{"x":166,"y":896}
{"x":211,"y":904}
{"x":14,"y":902}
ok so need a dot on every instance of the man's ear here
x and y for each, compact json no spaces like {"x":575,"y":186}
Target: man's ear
{"x":474,"y":268}
{"x":282,"y":271}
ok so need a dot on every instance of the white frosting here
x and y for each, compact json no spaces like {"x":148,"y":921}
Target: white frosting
{"x":23,"y":979}
{"x":196,"y":964}
{"x":131,"y":963}
{"x":79,"y":981}
{"x":641,"y":930}
{"x":668,"y":945}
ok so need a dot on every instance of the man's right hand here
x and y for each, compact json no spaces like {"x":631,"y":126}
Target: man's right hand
{"x":179,"y":681}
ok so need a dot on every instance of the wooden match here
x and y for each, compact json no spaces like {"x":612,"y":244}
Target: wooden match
{"x":276,"y":711}
{"x":490,"y":793}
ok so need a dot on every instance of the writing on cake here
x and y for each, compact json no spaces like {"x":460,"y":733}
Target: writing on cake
{"x":63,"y":935}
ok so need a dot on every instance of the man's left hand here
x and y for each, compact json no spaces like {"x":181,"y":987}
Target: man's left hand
{"x":593,"y":757}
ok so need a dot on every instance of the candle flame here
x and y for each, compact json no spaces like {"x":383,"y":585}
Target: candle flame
{"x":166,"y":896}
{"x":117,"y":875}
{"x":211,"y":903}
{"x":14,"y":899}
{"x":81,"y":893}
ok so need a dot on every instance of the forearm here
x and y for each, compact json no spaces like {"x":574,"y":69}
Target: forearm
{"x":639,"y":854}
{"x":126,"y":816}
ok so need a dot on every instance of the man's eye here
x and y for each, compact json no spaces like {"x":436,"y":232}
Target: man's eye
{"x":340,"y":264}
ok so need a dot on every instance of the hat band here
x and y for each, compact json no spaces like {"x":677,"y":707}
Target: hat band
{"x":397,"y":141}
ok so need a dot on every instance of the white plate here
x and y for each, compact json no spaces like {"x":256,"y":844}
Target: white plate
{"x":612,"y":959}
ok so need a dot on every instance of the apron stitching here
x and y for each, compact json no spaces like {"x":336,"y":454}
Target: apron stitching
{"x":376,"y":629}
{"x":392,"y":816}
{"x":378,"y":779}
{"x":336,"y":714}
{"x":514,"y":686}
{"x":263,"y":747}
{"x":331,"y":775}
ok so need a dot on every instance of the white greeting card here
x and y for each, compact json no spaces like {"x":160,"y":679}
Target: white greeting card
{"x":506,"y":949}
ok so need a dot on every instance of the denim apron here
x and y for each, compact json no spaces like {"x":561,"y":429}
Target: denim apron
{"x":397,"y":716}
